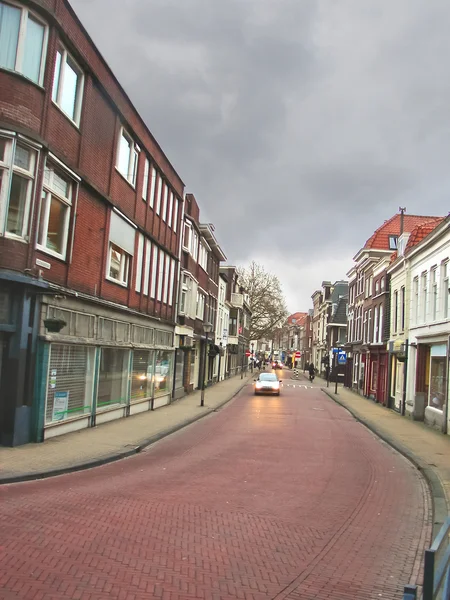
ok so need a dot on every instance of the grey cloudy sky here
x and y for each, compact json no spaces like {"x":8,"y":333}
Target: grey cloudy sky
{"x":299,"y":125}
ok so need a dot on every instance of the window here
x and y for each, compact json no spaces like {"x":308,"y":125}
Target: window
{"x":380,"y":326}
{"x":141,"y":374}
{"x":382,"y":284}
{"x":424,"y":297}
{"x":438,"y":375}
{"x":122,"y":235}
{"x":203,"y":257}
{"x":145,"y":181}
{"x":187,"y":236}
{"x":148,"y":253}
{"x":119,"y":263}
{"x":445,"y":290}
{"x":166,"y":194}
{"x":395,"y":323}
{"x":17,"y":169}
{"x":194,"y":245}
{"x":158,"y":196}
{"x":369,"y":327}
{"x":139,"y":257}
{"x":377,"y":287}
{"x":200,"y":310}
{"x":434,"y":292}
{"x":68,"y":82}
{"x":393,"y":242}
{"x":54,"y":217}
{"x":163,"y":372}
{"x":172,"y":281}
{"x":154,"y":272}
{"x":160,"y":276}
{"x":175,"y":214}
{"x":166,"y":279}
{"x":127,"y":157}
{"x":112,"y":378}
{"x":169,"y":219}
{"x":402,"y":308}
{"x":185,"y":294}
{"x":152,"y":188}
{"x":376,"y":314}
{"x":416,"y":300}
{"x":23,"y":40}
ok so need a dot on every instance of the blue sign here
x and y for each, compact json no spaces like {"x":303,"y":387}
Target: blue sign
{"x":342,"y":358}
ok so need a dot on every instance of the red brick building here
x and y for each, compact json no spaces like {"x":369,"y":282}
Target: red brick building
{"x":369,"y":309}
{"x":90,"y":233}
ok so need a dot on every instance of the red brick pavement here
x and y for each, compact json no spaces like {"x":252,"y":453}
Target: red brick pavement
{"x":285,"y":498}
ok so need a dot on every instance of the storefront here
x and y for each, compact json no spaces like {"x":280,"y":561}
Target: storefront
{"x":98,"y":368}
{"x":432,"y":382}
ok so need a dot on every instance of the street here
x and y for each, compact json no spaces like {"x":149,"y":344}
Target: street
{"x":269,"y":498}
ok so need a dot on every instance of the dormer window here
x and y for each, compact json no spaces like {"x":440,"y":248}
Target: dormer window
{"x":393,"y":242}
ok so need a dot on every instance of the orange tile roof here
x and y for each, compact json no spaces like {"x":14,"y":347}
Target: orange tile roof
{"x":299,"y":317}
{"x":421,"y":231}
{"x":380,"y":239}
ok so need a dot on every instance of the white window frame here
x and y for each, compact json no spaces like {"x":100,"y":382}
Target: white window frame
{"x":169,"y":218}
{"x":416,"y":296}
{"x":380,"y":325}
{"x":124,"y":265}
{"x":176,"y":205}
{"x":152,"y":187}
{"x":130,"y":176}
{"x":203,"y":257}
{"x":186,"y":291}
{"x":160,"y":276}
{"x":166,"y":195}
{"x":445,"y":289}
{"x":187,"y":246}
{"x":57,"y":92}
{"x":46,"y":196}
{"x":148,"y":253}
{"x":145,"y":180}
{"x":159,"y":194}
{"x":166,"y":278}
{"x":434,"y":293}
{"x":200,"y":306}
{"x":8,"y":168}
{"x":424,"y":295}
{"x":139,"y":259}
{"x":20,"y":51}
{"x":154,"y":271}
{"x":172,"y":280}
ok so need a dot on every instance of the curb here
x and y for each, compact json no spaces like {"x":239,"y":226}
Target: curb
{"x":117,"y":455}
{"x":440,"y":508}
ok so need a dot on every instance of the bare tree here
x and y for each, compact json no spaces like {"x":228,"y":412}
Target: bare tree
{"x":266,"y":299}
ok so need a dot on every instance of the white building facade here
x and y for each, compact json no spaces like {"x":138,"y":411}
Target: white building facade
{"x":427,"y":390}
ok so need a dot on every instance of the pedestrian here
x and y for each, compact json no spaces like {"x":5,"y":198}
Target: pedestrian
{"x":312,"y":372}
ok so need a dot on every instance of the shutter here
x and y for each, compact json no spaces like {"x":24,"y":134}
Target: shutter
{"x":71,"y":372}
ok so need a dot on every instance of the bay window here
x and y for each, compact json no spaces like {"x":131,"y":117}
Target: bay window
{"x":23,"y":42}
{"x":56,"y":204}
{"x":17,"y":171}
{"x":68,"y":82}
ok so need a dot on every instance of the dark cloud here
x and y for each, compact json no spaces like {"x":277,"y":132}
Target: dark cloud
{"x":299,"y":126}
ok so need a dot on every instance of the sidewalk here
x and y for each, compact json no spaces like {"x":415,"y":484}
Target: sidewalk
{"x":114,"y":440}
{"x":428,"y":449}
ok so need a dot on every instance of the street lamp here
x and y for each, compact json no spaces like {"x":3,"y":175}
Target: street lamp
{"x":207,"y":328}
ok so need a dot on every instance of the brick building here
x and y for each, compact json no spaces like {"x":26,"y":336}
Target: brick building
{"x":199,"y":290}
{"x":369,"y":308}
{"x":90,"y":226}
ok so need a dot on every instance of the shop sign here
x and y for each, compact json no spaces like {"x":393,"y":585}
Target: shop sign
{"x":52,"y":379}
{"x":60,"y":405}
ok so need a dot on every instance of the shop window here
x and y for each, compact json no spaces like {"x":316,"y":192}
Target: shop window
{"x":436,"y":397}
{"x":141,"y":375}
{"x":179,"y":369}
{"x":163,"y":372}
{"x":113,"y":378}
{"x":57,"y":198}
{"x":70,"y":382}
{"x":23,"y":41}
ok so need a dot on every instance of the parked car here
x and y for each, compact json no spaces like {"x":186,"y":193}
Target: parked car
{"x":267,"y":383}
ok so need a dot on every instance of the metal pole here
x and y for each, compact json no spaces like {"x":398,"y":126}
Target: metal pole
{"x":252,"y":362}
{"x":202,"y":397}
{"x":335,"y":372}
{"x":405,"y":379}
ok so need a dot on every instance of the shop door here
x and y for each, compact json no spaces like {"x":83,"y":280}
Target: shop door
{"x":381,"y":395}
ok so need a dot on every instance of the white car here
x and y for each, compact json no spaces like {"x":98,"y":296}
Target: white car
{"x":267,"y":383}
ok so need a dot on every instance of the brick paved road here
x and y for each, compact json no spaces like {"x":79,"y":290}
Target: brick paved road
{"x":280,"y":498}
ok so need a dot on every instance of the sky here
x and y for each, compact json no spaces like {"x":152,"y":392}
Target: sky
{"x":299,"y":125}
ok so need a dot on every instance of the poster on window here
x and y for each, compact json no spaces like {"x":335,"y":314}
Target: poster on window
{"x":60,"y":405}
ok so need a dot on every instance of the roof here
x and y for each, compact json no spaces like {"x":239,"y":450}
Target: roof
{"x":421,"y":231}
{"x":380,"y":238}
{"x":340,"y":315}
{"x":300,"y":318}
